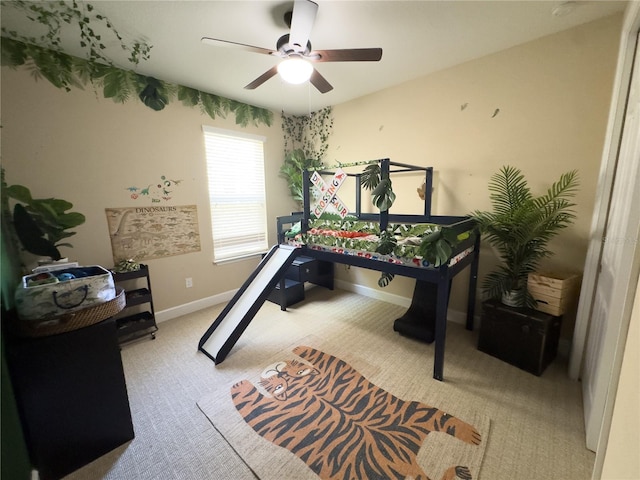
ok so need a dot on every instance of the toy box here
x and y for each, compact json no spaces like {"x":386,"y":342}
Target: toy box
{"x":525,"y":338}
{"x":48,"y":294}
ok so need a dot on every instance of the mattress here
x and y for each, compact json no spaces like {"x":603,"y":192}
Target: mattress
{"x":402,"y":244}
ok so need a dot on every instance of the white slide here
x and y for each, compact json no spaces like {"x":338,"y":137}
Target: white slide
{"x":234,"y":319}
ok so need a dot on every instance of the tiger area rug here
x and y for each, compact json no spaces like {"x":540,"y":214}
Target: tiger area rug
{"x":307,"y":413}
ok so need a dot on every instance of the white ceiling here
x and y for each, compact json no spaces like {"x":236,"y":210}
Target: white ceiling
{"x":417,"y":38}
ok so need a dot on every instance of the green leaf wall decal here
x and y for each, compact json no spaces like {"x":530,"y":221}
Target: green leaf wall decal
{"x":116,"y":85}
{"x":65,"y":71}
{"x":188,"y":96}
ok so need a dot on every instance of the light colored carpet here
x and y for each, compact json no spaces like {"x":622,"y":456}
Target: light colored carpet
{"x":386,"y":365}
{"x":536,"y":432}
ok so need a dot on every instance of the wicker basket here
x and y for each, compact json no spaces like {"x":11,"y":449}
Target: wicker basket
{"x":71,"y":321}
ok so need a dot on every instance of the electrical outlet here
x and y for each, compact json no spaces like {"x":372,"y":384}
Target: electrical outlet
{"x":189,"y":282}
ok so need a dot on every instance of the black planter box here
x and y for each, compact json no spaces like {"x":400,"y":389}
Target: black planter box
{"x":525,"y":338}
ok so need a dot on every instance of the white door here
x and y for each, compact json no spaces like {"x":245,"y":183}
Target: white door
{"x":617,"y":273}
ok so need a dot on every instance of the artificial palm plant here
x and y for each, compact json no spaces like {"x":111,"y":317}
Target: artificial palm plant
{"x":520,"y":227}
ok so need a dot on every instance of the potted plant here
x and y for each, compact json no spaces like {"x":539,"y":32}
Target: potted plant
{"x":40,"y":225}
{"x":520,"y":227}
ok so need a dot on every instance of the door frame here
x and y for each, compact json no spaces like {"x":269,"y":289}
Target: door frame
{"x":616,"y":339}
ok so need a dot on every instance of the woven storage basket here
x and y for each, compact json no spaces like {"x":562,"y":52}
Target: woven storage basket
{"x":72,"y":321}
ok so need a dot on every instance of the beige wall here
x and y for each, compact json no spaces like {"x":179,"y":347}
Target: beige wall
{"x":553,"y":95}
{"x":86,"y":149}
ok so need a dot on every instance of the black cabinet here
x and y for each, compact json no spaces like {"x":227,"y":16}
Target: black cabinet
{"x":525,"y":338}
{"x":307,"y":269}
{"x":71,"y":395}
{"x":138,"y":317}
{"x":302,"y":270}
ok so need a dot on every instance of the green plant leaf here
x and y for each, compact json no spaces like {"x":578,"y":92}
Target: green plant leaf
{"x":188,"y":96}
{"x":19,"y":193}
{"x":437,"y":246}
{"x":51,"y":15}
{"x":387,"y":243}
{"x":383,"y":196}
{"x":443,"y":252}
{"x":65,"y":71}
{"x":39,"y":224}
{"x":520,"y":227}
{"x":55,"y":206}
{"x":307,"y":135}
{"x":262,"y":115}
{"x":152,"y":95}
{"x":244,"y":114}
{"x":71,"y":220}
{"x":211,"y":105}
{"x":370,"y":177}
{"x":382,"y":187}
{"x":31,"y":236}
{"x":295,"y":162}
{"x":56,"y":67}
{"x":13,"y":53}
{"x":116,"y":85}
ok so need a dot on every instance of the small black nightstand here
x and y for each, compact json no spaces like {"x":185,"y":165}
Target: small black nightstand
{"x":525,"y":338}
{"x":303,"y":269}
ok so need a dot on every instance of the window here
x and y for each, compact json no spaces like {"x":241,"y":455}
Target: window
{"x":235,"y":169}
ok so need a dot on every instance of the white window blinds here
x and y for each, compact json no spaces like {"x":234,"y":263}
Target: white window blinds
{"x":235,"y":169}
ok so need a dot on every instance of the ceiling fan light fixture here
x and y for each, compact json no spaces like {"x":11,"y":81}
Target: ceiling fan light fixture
{"x":295,"y":70}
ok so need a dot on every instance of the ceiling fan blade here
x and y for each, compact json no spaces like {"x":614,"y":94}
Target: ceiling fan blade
{"x":262,"y":78}
{"x":320,"y":82}
{"x":346,"y":55}
{"x":226,"y":43}
{"x":304,"y":14}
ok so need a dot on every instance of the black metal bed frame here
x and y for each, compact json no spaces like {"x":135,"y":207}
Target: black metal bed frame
{"x":441,"y":276}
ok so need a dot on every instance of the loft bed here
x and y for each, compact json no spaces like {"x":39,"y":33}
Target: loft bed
{"x":432,"y":249}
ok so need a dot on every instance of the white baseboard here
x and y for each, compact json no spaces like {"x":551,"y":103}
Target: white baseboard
{"x":187,"y":308}
{"x":454,"y":316}
{"x":373,"y":293}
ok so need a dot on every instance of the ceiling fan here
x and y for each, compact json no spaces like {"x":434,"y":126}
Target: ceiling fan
{"x":295,"y":50}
